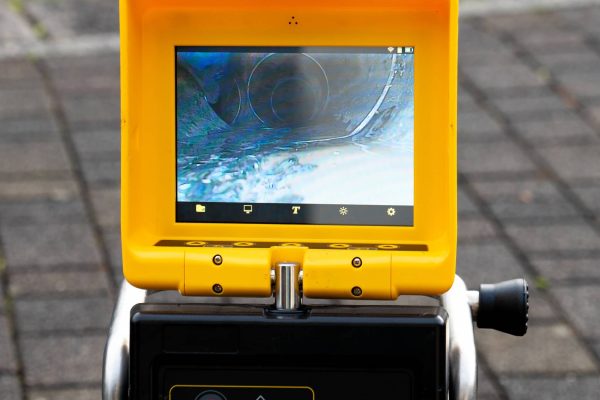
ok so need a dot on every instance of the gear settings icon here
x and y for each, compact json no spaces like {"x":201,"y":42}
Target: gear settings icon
{"x":391,"y":211}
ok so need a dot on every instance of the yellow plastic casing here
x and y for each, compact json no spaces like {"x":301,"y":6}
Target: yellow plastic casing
{"x":159,"y":253}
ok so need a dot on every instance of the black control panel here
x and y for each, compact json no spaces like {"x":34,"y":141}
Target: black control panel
{"x":208,"y":352}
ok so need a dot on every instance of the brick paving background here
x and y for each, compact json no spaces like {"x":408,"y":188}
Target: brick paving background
{"x":529,"y":194}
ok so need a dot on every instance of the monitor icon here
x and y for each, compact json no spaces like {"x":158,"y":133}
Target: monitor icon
{"x":248,"y":208}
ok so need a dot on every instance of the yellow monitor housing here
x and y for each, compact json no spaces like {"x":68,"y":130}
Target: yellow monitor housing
{"x":170,"y":238}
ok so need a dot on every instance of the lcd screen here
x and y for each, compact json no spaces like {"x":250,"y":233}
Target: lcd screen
{"x":295,"y":135}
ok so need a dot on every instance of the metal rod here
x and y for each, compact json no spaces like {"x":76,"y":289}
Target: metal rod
{"x":461,"y":348}
{"x":287,"y":288}
{"x":115,"y":372}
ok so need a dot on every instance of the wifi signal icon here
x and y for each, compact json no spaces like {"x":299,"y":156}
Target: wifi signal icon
{"x":391,"y":49}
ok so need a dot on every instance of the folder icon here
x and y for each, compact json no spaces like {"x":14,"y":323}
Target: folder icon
{"x":200,"y":208}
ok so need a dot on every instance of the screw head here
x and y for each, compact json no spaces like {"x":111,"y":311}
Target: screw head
{"x":218,"y":289}
{"x":356,"y":262}
{"x":356,"y":291}
{"x":217,"y":259}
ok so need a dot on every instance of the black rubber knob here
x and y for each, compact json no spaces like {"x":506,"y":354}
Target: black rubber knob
{"x":504,"y":307}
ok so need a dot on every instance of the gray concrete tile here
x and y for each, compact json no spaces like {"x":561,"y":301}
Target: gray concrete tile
{"x":106,"y":203}
{"x":546,"y":349}
{"x":8,"y":360}
{"x":486,"y":389}
{"x":502,"y":77}
{"x":33,"y":158}
{"x":65,"y":394}
{"x":39,"y":127}
{"x":92,"y":109}
{"x":46,"y":361}
{"x":20,"y":102}
{"x":466,"y":206}
{"x":574,"y":162}
{"x":14,"y":30}
{"x":478,"y":125}
{"x":590,"y":195}
{"x":10,"y":387}
{"x":561,"y":127}
{"x":74,"y":314}
{"x":475,"y":228}
{"x":579,"y":58}
{"x":581,"y":306}
{"x":531,"y":199}
{"x":583,"y":85}
{"x":112,"y":239}
{"x":63,"y":283}
{"x":72,"y":18}
{"x":61,"y":190}
{"x":102,"y":173}
{"x":555,"y":238}
{"x":553,"y":388}
{"x":18,"y":70}
{"x":532,"y":105}
{"x":90,"y":143}
{"x":42,"y":212}
{"x":493,"y":157}
{"x":49,"y":246}
{"x":568,"y":270}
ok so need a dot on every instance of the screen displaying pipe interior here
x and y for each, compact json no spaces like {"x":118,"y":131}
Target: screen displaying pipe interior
{"x":295,"y":135}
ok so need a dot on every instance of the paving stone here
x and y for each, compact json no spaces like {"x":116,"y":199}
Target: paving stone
{"x":574,"y":161}
{"x":106,"y":203}
{"x":102,"y":173}
{"x":493,"y":157}
{"x":531,"y":199}
{"x":534,"y":105}
{"x":33,"y":158}
{"x":39,"y":190}
{"x":64,"y":283}
{"x":10,"y":387}
{"x":112,"y":240}
{"x":90,"y":143}
{"x":553,"y":388}
{"x":580,"y":58}
{"x":493,"y":262}
{"x":75,"y":314}
{"x":474,"y":228}
{"x":590,"y":195}
{"x":466,"y":206}
{"x":583,"y":85}
{"x":14,"y":30}
{"x":8,"y":360}
{"x":546,"y":349}
{"x":486,"y":389}
{"x":593,"y":111}
{"x":42,"y":212}
{"x":96,"y":108}
{"x":66,"y":394}
{"x":478,"y":125}
{"x":502,"y":77}
{"x":569,"y":269}
{"x":18,"y":102}
{"x":569,"y":236}
{"x":49,"y":246}
{"x":18,"y":70}
{"x":72,"y":18}
{"x":31,"y":128}
{"x":581,"y":306}
{"x":551,"y":39}
{"x":556,"y":128}
{"x":62,"y":360}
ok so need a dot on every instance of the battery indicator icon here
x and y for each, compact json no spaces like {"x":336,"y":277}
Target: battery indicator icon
{"x":409,"y":50}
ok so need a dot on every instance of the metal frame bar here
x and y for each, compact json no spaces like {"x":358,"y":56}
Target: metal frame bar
{"x":458,"y":302}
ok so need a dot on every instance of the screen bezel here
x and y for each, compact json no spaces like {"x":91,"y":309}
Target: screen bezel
{"x":148,"y":148}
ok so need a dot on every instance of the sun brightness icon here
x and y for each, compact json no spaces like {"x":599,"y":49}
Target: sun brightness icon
{"x":343,"y":211}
